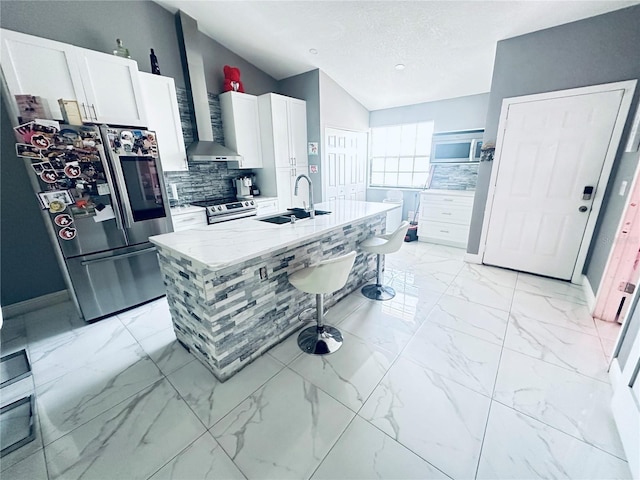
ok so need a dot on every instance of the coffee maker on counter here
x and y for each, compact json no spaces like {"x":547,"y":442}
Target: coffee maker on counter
{"x":244,"y":187}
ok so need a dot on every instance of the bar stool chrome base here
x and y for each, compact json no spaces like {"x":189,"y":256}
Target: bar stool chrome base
{"x":378,"y":292}
{"x":320,"y":340}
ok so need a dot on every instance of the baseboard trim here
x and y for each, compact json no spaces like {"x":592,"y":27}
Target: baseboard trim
{"x":473,"y":258}
{"x":20,"y":308}
{"x":588,"y":293}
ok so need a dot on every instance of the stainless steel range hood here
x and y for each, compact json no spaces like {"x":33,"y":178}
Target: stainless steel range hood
{"x":204,"y":148}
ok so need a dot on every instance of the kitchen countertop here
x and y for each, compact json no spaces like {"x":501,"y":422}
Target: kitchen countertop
{"x":227,"y":243}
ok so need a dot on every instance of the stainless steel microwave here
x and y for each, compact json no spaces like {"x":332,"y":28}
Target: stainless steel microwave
{"x":456,"y":147}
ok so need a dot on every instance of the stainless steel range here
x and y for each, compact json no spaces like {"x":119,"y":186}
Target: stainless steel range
{"x":223,"y":209}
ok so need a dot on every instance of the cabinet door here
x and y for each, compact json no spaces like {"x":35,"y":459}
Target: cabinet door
{"x":112,"y":88}
{"x":161,"y":105}
{"x":40,"y":67}
{"x":284,"y":187}
{"x":241,"y":124}
{"x":283,"y":157}
{"x":298,"y":132}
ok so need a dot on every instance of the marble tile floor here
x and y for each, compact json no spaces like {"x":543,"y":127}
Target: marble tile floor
{"x":469,"y":372}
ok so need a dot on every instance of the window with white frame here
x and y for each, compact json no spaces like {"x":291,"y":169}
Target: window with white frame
{"x":400,"y":155}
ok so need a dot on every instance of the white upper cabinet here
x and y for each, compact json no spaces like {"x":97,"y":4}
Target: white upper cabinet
{"x":112,"y":88}
{"x":241,"y":126}
{"x":161,"y":105}
{"x":283,"y":123}
{"x":283,"y":129}
{"x":106,"y":87}
{"x":297,"y":118}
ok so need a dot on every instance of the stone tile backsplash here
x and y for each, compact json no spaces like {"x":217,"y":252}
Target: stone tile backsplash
{"x":203,"y":180}
{"x":454,"y":176}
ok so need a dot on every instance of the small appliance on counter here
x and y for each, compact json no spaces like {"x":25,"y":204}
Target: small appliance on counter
{"x":243,"y":188}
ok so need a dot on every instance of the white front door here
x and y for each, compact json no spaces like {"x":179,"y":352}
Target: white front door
{"x":550,"y":162}
{"x":346,"y":164}
{"x":625,"y":381}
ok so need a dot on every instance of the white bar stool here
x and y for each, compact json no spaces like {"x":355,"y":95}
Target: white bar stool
{"x":325,"y":277}
{"x":381,"y":245}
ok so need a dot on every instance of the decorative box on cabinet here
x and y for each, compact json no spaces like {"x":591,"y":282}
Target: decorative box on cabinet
{"x":241,"y":126}
{"x":106,"y":87}
{"x":184,"y":218}
{"x":283,"y":133}
{"x":161,"y":105}
{"x":445,"y":216}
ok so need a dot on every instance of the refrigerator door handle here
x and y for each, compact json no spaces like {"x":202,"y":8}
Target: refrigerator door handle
{"x":118,"y":213}
{"x":84,"y":263}
{"x":95,"y":115}
{"x":115,"y":204}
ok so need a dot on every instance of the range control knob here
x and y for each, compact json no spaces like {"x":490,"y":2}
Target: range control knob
{"x":252,"y":202}
{"x":219,"y":207}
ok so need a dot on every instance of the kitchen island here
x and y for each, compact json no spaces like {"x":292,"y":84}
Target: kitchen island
{"x":227,"y":286}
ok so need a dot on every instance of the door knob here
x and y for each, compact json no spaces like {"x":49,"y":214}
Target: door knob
{"x":582,"y":209}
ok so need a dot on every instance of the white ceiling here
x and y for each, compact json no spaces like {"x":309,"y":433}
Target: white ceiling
{"x":448,"y":47}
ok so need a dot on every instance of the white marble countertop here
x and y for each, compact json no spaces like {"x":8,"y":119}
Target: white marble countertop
{"x":228,"y":243}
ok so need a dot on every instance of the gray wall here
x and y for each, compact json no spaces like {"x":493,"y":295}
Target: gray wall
{"x":338,"y":109}
{"x":593,"y":51}
{"x":306,"y":86}
{"x":328,"y":105}
{"x":215,"y":57}
{"x":461,"y":113}
{"x":28,"y":264}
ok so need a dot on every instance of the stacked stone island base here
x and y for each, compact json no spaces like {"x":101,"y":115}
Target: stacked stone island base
{"x":229,"y":314}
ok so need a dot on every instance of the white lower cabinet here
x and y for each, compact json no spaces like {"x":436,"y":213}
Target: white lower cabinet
{"x":266,"y":206}
{"x":188,"y":217}
{"x":445,"y":216}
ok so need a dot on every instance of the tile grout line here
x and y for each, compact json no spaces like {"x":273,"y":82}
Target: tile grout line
{"x":495,"y":381}
{"x":582,"y":440}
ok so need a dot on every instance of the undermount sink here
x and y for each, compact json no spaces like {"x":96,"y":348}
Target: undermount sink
{"x":285,"y":217}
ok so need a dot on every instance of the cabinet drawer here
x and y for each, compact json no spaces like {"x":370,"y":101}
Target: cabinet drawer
{"x":446,"y":213}
{"x":447,"y":232}
{"x":443,"y":199}
{"x":188,"y":220}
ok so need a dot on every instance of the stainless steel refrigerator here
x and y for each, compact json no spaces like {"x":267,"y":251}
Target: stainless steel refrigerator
{"x":103,"y":191}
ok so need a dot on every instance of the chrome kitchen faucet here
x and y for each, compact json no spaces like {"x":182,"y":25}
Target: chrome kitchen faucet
{"x":311,"y":209}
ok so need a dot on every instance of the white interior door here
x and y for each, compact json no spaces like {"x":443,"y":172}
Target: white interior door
{"x":346,"y":164}
{"x":552,"y":152}
{"x":626,"y":387}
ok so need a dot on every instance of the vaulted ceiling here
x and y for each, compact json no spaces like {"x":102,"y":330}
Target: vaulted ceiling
{"x":447,"y":47}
